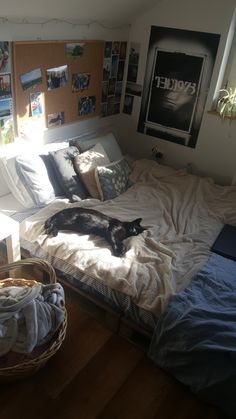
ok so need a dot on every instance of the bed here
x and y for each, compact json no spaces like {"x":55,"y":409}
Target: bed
{"x":182,"y":215}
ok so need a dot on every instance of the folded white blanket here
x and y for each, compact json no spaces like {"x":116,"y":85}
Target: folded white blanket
{"x":29,"y":316}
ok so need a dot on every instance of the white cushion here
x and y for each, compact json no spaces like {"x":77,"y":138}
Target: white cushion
{"x":85,"y":165}
{"x":33,"y":173}
{"x":14,"y":183}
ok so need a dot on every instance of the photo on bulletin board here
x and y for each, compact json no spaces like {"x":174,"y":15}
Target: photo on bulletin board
{"x":55,"y":119}
{"x":80,"y":82}
{"x":57,"y":77}
{"x":30,"y":79}
{"x":74,"y":50}
{"x":87,"y":105}
{"x":5,"y":108}
{"x":5,"y":66}
{"x":36,"y":103}
{"x":5,"y":86}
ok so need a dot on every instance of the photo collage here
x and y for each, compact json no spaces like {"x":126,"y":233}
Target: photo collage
{"x":6,"y":115}
{"x":58,"y":77}
{"x":113,"y":76}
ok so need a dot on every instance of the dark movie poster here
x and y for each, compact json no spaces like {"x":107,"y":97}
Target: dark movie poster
{"x":178,"y":73}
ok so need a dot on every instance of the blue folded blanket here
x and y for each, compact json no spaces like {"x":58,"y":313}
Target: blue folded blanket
{"x":29,"y":316}
{"x":195,"y":338}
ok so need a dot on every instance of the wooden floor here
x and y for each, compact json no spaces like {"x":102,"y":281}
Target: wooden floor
{"x":98,"y":374}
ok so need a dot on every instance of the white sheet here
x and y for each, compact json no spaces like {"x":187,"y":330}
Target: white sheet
{"x":183,"y":215}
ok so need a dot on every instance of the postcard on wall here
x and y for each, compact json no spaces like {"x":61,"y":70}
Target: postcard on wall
{"x":5,"y":86}
{"x":87,"y":105}
{"x":56,"y":119}
{"x":5,"y":108}
{"x":108,"y":49}
{"x":133,"y":62}
{"x":104,"y":91}
{"x":106,"y":68}
{"x":123,"y":47}
{"x":32,"y":78}
{"x":80,"y":81}
{"x":133,"y":88}
{"x":128,"y":104}
{"x":36,"y":104}
{"x":115,"y":47}
{"x":6,"y":131}
{"x":114,"y":65}
{"x":5,"y":66}
{"x":57,"y":77}
{"x":74,"y":50}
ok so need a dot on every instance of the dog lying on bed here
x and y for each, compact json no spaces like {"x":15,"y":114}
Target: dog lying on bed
{"x":90,"y":221}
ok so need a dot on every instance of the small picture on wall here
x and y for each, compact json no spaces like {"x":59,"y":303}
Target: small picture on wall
{"x":86,"y":105}
{"x":123,"y":47}
{"x":57,"y":77}
{"x":104,"y":91}
{"x":128,"y":104}
{"x":74,"y":50}
{"x":36,"y":103}
{"x":114,"y":65}
{"x":4,"y":57}
{"x":6,"y":131}
{"x":32,"y":78}
{"x":120,"y":72}
{"x":55,"y":119}
{"x":5,"y":85}
{"x":133,"y":89}
{"x":111,"y":86}
{"x":5,"y":108}
{"x":118,"y":89}
{"x":80,"y":82}
{"x":107,"y":49}
{"x":106,"y":68}
{"x":115,"y":47}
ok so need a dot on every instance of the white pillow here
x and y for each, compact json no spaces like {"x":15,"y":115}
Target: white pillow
{"x":85,"y":165}
{"x":14,"y":183}
{"x":33,"y":173}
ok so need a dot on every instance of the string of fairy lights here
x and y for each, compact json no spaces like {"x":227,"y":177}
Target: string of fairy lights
{"x":72,"y":23}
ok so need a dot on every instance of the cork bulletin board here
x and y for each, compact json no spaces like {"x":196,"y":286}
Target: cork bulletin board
{"x":58,"y":82}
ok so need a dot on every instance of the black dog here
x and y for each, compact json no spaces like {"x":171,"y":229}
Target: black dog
{"x":90,"y":221}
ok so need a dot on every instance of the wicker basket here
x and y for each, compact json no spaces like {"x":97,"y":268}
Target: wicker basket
{"x":24,"y":366}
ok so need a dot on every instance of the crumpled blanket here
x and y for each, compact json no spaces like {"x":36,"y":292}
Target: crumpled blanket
{"x":29,"y":316}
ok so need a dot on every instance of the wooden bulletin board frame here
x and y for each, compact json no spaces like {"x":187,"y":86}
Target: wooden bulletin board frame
{"x":31,"y":55}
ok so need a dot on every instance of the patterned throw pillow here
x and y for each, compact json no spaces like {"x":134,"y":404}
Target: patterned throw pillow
{"x":113,"y":179}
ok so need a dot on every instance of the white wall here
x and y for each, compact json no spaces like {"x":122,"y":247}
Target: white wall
{"x":215,"y":152}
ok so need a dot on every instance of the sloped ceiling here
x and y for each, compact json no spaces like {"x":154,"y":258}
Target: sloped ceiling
{"x":102,"y":11}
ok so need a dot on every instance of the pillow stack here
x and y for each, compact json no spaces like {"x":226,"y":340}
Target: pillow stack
{"x":102,"y":167}
{"x":76,"y":169}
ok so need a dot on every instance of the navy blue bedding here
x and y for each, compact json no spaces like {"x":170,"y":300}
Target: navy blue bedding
{"x":195,"y":338}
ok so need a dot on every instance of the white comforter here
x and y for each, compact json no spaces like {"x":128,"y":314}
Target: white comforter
{"x":183,"y":215}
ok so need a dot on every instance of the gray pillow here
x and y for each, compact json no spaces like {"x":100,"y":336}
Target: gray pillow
{"x":108,"y":142}
{"x":69,"y":180}
{"x":33,"y":174}
{"x":52,"y":174}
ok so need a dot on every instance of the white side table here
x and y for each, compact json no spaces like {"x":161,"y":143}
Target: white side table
{"x":9,"y":230}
